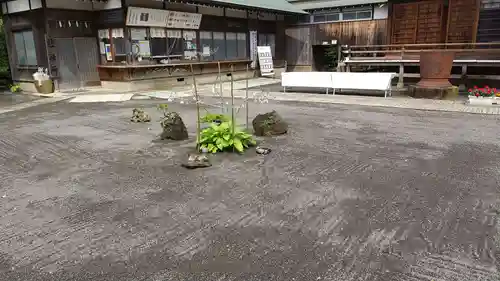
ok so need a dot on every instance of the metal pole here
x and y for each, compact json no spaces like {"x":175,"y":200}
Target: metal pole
{"x":232,"y":106}
{"x":220,"y":88}
{"x":246,"y":98}
{"x":198,"y":126}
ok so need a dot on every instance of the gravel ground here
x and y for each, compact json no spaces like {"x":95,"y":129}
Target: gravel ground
{"x":9,"y":99}
{"x":351,"y":193}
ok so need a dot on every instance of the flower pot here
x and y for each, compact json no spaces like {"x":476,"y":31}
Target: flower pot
{"x":44,"y":87}
{"x":481,"y":101}
{"x":435,"y":69}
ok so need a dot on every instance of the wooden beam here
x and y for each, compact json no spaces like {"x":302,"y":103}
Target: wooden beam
{"x":476,"y":21}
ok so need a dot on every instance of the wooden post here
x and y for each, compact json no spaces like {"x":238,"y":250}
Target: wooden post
{"x":401,"y":84}
{"x":463,"y":79}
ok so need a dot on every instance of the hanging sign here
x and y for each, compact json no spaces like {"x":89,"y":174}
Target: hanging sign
{"x":146,"y":17}
{"x":162,"y":18}
{"x":265,"y":60}
{"x":253,"y":48}
{"x":183,"y":20}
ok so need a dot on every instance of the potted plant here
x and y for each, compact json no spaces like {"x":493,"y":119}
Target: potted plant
{"x":482,"y":96}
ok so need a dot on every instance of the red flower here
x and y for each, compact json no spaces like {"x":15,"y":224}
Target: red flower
{"x":486,"y":87}
{"x":470,"y":90}
{"x":475,"y":87}
{"x":477,"y":94}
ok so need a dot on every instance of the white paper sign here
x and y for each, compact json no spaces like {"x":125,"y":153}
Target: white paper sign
{"x":265,"y":60}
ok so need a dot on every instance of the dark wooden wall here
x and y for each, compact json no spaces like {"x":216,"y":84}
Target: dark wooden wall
{"x":489,"y":25}
{"x":300,"y":38}
{"x":367,"y":32}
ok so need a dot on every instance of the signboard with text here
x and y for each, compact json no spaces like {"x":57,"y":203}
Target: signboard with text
{"x":162,"y":18}
{"x":265,"y":60}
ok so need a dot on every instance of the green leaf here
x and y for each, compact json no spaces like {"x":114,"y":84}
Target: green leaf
{"x":238,"y":145}
{"x":227,"y":136}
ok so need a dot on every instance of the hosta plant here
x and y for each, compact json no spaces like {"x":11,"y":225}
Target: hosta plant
{"x":215,"y":118}
{"x":222,"y":138}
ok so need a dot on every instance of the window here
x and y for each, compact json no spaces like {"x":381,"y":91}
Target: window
{"x":190,"y":47}
{"x":361,"y":13}
{"x":158,"y":42}
{"x":222,"y":46}
{"x":25,"y":48}
{"x":490,"y":4}
{"x":206,"y":45}
{"x":231,"y":45}
{"x":267,"y":40}
{"x":140,"y":43}
{"x":304,"y":19}
{"x":219,"y":46}
{"x":327,"y":17}
{"x":242,"y":45}
{"x":357,"y":14}
{"x":119,"y":44}
{"x":175,"y":44}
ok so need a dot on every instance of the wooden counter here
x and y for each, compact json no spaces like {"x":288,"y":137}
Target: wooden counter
{"x":138,"y":72}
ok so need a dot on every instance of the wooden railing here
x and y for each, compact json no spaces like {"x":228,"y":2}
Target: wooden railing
{"x":479,"y":49}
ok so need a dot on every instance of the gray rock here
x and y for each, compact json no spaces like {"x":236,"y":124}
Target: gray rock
{"x":173,"y":127}
{"x":195,"y":161}
{"x":262,"y":150}
{"x":269,"y":124}
{"x":139,"y":116}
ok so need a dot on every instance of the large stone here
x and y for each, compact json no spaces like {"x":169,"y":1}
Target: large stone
{"x":138,"y":115}
{"x":269,"y":124}
{"x":173,"y":127}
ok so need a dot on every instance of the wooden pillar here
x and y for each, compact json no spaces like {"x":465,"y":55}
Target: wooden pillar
{"x":401,"y":84}
{"x":463,"y":79}
{"x":280,"y":40}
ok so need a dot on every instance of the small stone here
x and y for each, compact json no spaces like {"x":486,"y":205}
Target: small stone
{"x":173,"y":127}
{"x":269,"y":124}
{"x":139,"y":116}
{"x":262,"y":150}
{"x":195,"y":161}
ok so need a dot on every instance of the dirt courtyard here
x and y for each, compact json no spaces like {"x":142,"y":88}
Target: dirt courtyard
{"x":351,"y":193}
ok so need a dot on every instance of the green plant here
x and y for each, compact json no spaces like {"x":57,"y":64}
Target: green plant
{"x":15,"y":88}
{"x":163,"y":107}
{"x":223,"y":138}
{"x":214,"y":117}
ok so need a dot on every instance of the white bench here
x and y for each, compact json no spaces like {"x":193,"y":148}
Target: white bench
{"x":307,"y":80}
{"x":377,"y":81}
